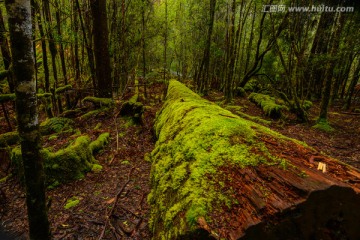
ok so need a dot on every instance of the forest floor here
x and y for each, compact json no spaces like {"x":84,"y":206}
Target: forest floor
{"x":113,"y":203}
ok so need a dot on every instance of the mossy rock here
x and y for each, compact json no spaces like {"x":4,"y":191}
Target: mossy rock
{"x":195,"y":138}
{"x":68,"y":164}
{"x":56,"y":125}
{"x":268,"y":104}
{"x":9,"y":138}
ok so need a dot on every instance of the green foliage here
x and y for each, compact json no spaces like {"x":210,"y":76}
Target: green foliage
{"x":7,"y":97}
{"x":9,"y":138}
{"x":56,"y":125}
{"x":267,"y":104}
{"x":195,"y":138}
{"x":323,"y":125}
{"x":67,"y":164}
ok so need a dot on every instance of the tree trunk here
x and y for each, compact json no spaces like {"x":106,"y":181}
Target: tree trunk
{"x":19,"y":12}
{"x":216,"y":175}
{"x":5,"y":51}
{"x":101,"y":48}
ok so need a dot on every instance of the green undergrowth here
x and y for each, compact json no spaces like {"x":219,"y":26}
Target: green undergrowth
{"x":195,"y":138}
{"x":67,"y":164}
{"x":323,"y":125}
{"x":56,"y":125}
{"x":268,"y":104}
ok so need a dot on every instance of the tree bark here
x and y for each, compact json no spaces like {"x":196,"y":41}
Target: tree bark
{"x":101,"y":48}
{"x":20,"y":25}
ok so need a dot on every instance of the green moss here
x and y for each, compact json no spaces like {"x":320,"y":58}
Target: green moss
{"x":323,"y":125}
{"x":268,"y":104}
{"x":7,"y":97}
{"x":99,"y":102}
{"x":9,"y":138}
{"x":94,"y":113}
{"x":43,"y":95}
{"x":98,"y":126}
{"x":237,"y":110}
{"x":195,"y":138}
{"x":99,"y":143}
{"x":63,"y":89}
{"x":240,"y":92}
{"x":52,"y":137}
{"x":55,"y":125}
{"x":72,"y":202}
{"x":96,"y":168}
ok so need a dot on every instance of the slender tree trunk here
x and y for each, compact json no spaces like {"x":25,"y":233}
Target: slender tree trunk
{"x":326,"y":91}
{"x":20,"y":25}
{"x":45,"y":64}
{"x":101,"y":48}
{"x":5,"y":51}
{"x":61,"y":52}
{"x":89,"y":51}
{"x":53,"y":52}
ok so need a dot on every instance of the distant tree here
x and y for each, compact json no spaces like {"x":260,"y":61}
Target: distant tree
{"x":20,"y":25}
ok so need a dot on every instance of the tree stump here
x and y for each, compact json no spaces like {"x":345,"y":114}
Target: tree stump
{"x":216,"y":175}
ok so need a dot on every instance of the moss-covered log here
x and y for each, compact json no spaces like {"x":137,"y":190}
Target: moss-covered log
{"x":216,"y":175}
{"x":9,"y":138}
{"x":268,"y":104}
{"x":67,"y":164}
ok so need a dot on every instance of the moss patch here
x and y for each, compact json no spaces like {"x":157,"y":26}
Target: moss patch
{"x":63,"y":89}
{"x":323,"y":125}
{"x":72,"y":202}
{"x":195,"y":138}
{"x":99,"y":143}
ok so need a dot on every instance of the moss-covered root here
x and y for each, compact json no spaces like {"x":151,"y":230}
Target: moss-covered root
{"x":99,"y":102}
{"x":9,"y":138}
{"x":67,"y":164}
{"x":99,"y":143}
{"x":7,"y":97}
{"x":267,"y":104}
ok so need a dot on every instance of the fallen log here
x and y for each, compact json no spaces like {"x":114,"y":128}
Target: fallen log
{"x":216,"y":175}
